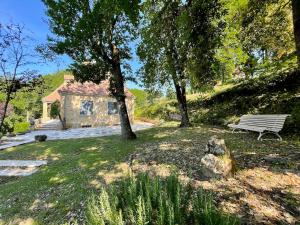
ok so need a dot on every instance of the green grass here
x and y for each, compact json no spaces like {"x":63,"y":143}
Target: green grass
{"x":60,"y":186}
{"x":224,"y":104}
{"x":77,"y":168}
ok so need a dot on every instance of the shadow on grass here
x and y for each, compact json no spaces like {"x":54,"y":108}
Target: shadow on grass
{"x":76,"y":168}
{"x":57,"y":193}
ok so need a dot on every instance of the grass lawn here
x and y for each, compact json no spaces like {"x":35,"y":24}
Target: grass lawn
{"x":57,"y":192}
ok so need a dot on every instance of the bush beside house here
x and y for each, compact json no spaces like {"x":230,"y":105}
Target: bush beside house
{"x":21,"y":127}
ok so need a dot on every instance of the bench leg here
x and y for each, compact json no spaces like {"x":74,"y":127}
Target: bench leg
{"x":280,"y":138}
{"x":263,"y":133}
{"x":260,"y":135}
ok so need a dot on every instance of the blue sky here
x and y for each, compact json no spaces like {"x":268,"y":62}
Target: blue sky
{"x":31,"y":13}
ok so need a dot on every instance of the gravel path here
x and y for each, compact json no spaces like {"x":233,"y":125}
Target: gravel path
{"x":69,"y":134}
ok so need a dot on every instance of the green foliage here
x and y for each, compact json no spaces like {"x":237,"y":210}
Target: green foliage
{"x":146,"y":107}
{"x":145,"y":200}
{"x":55,"y":109}
{"x":21,"y":127}
{"x":160,"y":109}
{"x":178,"y":41}
{"x":32,"y":101}
{"x":276,"y":94}
{"x":140,"y":97}
{"x":272,"y":94}
{"x":88,"y":30}
{"x":10,"y":122}
{"x":258,"y":39}
{"x":295,"y":116}
{"x":97,"y":36}
{"x":53,"y":81}
{"x":17,"y":57}
{"x":268,"y":28}
{"x":231,"y":53}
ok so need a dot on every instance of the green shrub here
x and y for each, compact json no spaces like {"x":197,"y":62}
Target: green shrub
{"x":144,"y":200}
{"x":21,"y":127}
{"x":295,"y":117}
{"x":10,"y":121}
{"x":158,"y":110}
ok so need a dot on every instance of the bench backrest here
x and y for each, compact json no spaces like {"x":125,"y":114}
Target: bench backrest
{"x":272,"y":122}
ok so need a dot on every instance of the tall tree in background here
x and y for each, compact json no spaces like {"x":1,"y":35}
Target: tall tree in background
{"x":231,"y":55}
{"x":160,"y":51}
{"x":178,"y":43}
{"x":15,"y":57}
{"x":259,"y":38}
{"x":296,"y":20}
{"x":96,"y":35}
{"x":273,"y":28}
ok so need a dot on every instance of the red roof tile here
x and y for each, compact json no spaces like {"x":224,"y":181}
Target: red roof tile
{"x":68,"y":77}
{"x":53,"y":96}
{"x":86,"y":88}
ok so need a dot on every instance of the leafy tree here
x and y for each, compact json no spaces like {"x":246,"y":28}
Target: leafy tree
{"x":178,"y":41}
{"x":231,"y":54}
{"x":296,"y":22}
{"x":140,"y":96}
{"x":268,"y":29}
{"x":53,"y":81}
{"x":96,"y":35}
{"x":15,"y":57}
{"x":55,"y":112}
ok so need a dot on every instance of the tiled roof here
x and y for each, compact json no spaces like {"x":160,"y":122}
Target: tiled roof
{"x":68,"y":77}
{"x":86,"y":88}
{"x":53,"y":96}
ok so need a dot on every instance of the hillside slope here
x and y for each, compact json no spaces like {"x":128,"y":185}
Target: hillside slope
{"x":53,"y":81}
{"x":271,"y":94}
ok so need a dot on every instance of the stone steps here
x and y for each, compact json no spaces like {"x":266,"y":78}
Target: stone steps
{"x":49,"y":126}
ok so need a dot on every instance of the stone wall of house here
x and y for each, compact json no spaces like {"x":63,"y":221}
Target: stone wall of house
{"x":100,"y":117}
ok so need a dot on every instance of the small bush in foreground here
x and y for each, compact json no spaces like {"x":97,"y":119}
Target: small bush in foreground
{"x":144,"y":200}
{"x":21,"y":127}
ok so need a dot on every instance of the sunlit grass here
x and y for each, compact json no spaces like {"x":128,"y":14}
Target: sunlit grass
{"x":77,"y":168}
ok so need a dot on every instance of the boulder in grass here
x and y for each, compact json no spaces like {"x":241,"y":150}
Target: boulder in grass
{"x":218,"y":161}
{"x":216,"y":167}
{"x":216,"y":146}
{"x":40,"y":138}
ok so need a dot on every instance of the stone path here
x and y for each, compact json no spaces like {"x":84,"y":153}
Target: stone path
{"x":69,"y":134}
{"x":17,"y":172}
{"x":20,"y":167}
{"x":20,"y":163}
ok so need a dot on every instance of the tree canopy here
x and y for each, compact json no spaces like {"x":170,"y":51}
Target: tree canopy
{"x":178,"y":45}
{"x":96,"y":35}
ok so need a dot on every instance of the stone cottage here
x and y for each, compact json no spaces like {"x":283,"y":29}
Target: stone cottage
{"x":86,"y":104}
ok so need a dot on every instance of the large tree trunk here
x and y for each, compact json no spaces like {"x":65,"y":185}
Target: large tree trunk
{"x":117,"y":85}
{"x":296,"y":21}
{"x":181,"y":98}
{"x":5,"y":109}
{"x":178,"y":80}
{"x":63,"y":122}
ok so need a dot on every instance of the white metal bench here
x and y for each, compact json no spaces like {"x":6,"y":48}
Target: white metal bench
{"x":263,"y":124}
